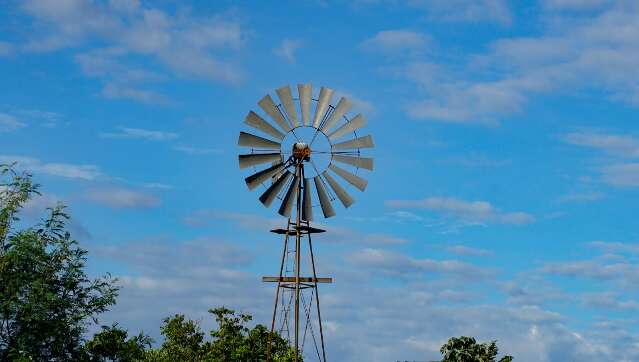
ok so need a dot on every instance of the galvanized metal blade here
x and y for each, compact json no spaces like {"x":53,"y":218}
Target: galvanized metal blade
{"x":343,"y":106}
{"x":307,"y":201}
{"x":322,"y":105}
{"x":289,"y":199}
{"x":322,"y":195}
{"x":342,"y":195}
{"x":271,"y":109}
{"x":255,"y":159}
{"x":257,"y":122}
{"x":359,"y":142}
{"x":256,"y":179}
{"x":251,"y":140}
{"x":286,"y":97}
{"x":305,"y":92}
{"x":354,"y":124}
{"x":361,"y":162}
{"x":352,"y":178}
{"x":271,"y":193}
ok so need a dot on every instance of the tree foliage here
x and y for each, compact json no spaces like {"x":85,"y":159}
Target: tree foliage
{"x":112,"y":344}
{"x":232,"y":341}
{"x":466,"y":349}
{"x":47,"y":298}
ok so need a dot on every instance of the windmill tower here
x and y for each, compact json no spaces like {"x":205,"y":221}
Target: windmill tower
{"x":302,"y":153}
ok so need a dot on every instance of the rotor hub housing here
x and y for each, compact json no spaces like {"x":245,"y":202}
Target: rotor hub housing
{"x":301,"y":151}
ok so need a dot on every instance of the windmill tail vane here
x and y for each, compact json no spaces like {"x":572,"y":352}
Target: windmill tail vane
{"x":297,"y":154}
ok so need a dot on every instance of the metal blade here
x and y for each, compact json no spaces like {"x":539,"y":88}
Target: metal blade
{"x":305,"y":91}
{"x":254,"y":159}
{"x":343,"y":106}
{"x":342,"y":195}
{"x":254,"y":180}
{"x":250,"y":140}
{"x":257,"y":122}
{"x":354,"y":124}
{"x":352,"y":178}
{"x":322,"y":104}
{"x":359,"y":142}
{"x":271,"y":109}
{"x":325,"y":201}
{"x":307,"y":201}
{"x":289,"y":199}
{"x":287,"y":100}
{"x":361,"y":162}
{"x":271,"y":193}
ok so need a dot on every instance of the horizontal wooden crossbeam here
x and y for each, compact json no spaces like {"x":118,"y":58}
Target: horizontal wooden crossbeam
{"x":292,"y":279}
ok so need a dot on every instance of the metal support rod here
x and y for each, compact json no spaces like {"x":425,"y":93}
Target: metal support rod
{"x":299,"y":173}
{"x":277,"y":291}
{"x":319,"y":314}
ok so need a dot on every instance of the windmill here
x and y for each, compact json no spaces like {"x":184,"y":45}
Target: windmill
{"x":300,"y":161}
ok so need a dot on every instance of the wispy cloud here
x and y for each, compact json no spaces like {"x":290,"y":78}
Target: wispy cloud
{"x":610,"y":301}
{"x":620,"y":145}
{"x":73,"y":171}
{"x":10,"y":123}
{"x":184,"y":43}
{"x":119,"y":197}
{"x":475,"y":211}
{"x":197,"y":150}
{"x":286,"y":50}
{"x":468,"y":251}
{"x":397,"y":42}
{"x":574,"y":55}
{"x":618,"y":171}
{"x":138,"y":133}
{"x":398,"y":264}
{"x":582,"y":197}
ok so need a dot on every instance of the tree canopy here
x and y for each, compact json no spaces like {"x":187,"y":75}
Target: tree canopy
{"x":47,"y":298}
{"x":466,"y":349}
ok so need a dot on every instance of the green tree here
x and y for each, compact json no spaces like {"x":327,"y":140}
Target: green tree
{"x":112,"y":344}
{"x":466,"y":349}
{"x":232,"y":341}
{"x":47,"y":300}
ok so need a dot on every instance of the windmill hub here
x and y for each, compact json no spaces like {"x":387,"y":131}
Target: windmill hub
{"x":301,"y":151}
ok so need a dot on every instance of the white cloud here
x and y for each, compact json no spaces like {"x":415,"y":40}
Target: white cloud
{"x":475,"y":211}
{"x":187,"y":44}
{"x":396,"y":42}
{"x":468,"y":251}
{"x":582,"y":197}
{"x":473,"y":11}
{"x":622,"y":175}
{"x":197,"y":150}
{"x":595,"y":53}
{"x":398,"y":264}
{"x":138,"y":133}
{"x":286,"y":50}
{"x":10,"y":123}
{"x":620,"y":145}
{"x":575,"y":5}
{"x":118,"y":197}
{"x":615,"y":247}
{"x":609,"y":301}
{"x":83,"y":172}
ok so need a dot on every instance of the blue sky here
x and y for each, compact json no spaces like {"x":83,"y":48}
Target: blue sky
{"x":503,"y":200}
